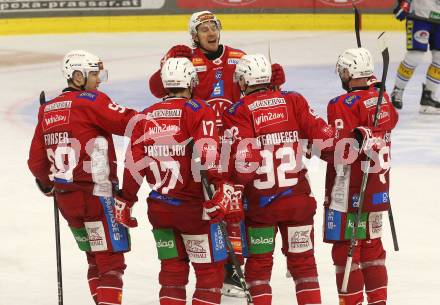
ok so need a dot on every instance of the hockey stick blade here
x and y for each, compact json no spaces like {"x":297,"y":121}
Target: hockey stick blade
{"x":357,"y":25}
{"x":42,"y":98}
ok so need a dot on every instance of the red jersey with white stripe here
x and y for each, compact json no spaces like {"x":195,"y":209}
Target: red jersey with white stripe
{"x":343,"y":182}
{"x":73,"y":147}
{"x":268,"y":131}
{"x":216,"y":85}
{"x":162,"y":147}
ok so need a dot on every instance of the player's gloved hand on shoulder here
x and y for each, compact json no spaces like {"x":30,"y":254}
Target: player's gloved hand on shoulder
{"x":368,"y":139}
{"x":47,"y":190}
{"x":217,"y":207}
{"x":278,"y":78}
{"x":122,"y":211}
{"x":402,"y":10}
{"x":235,"y":211}
{"x":178,"y":51}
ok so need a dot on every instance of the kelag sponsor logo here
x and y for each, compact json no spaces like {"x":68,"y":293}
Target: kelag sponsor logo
{"x":169,"y":244}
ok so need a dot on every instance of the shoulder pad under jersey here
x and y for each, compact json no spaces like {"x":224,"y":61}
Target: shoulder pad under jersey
{"x":233,"y":108}
{"x":193,"y":104}
{"x":88,"y":95}
{"x":287,"y":92}
{"x":351,"y":99}
{"x":334,"y":100}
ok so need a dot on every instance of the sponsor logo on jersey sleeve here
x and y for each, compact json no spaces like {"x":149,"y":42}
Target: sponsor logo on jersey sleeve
{"x":299,"y":238}
{"x":193,"y":104}
{"x":233,"y":109}
{"x":55,"y":118}
{"x":351,"y":100}
{"x":197,"y":248}
{"x":88,"y":96}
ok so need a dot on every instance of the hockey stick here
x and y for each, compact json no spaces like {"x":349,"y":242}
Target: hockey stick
{"x":57,"y":234}
{"x":386,"y":59}
{"x":222,"y":225}
{"x":357,"y":25}
{"x":231,"y":251}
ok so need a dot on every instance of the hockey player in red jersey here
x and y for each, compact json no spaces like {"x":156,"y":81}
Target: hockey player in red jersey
{"x":265,"y":128}
{"x":215,"y":65}
{"x":161,"y":150}
{"x":73,"y":158}
{"x":343,"y":182}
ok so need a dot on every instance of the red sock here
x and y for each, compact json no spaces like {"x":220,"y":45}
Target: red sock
{"x":109,"y":295}
{"x":261,"y":294}
{"x":170,"y":295}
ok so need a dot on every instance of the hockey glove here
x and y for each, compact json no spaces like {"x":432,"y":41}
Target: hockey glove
{"x":46,"y":190}
{"x":278,"y":78}
{"x":367,"y":139}
{"x":217,"y":207}
{"x":235,"y":211}
{"x":122,"y":211}
{"x":177,"y":51}
{"x":402,"y":10}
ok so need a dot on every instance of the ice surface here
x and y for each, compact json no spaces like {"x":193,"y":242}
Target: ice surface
{"x":27,"y":255}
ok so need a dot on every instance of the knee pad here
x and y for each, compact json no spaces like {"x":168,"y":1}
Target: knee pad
{"x":174,"y":272}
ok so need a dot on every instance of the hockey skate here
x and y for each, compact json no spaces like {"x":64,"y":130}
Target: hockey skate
{"x":396,"y":98}
{"x":428,"y":103}
{"x":231,"y":284}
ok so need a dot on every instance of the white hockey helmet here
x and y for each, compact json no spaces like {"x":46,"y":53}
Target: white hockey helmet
{"x":83,"y":61}
{"x":358,"y":62}
{"x":255,"y":69}
{"x":178,"y":72}
{"x":201,"y":17}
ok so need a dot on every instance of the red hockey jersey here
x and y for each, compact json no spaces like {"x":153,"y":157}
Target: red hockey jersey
{"x":73,"y":147}
{"x":343,"y":181}
{"x":268,"y":131}
{"x":162,"y":151}
{"x":216,"y":85}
